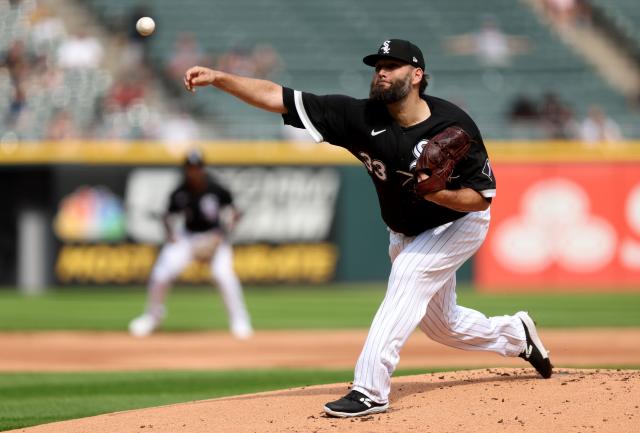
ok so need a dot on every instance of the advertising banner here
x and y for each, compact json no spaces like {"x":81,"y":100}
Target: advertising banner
{"x":109,"y":223}
{"x":563,"y":225}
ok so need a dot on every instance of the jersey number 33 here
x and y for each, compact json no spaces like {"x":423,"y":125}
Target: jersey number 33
{"x":374,"y":166}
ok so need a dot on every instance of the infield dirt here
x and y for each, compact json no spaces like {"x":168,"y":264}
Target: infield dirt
{"x":483,"y":400}
{"x":92,"y":351}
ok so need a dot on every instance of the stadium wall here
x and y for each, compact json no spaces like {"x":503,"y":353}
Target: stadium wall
{"x":311,"y":214}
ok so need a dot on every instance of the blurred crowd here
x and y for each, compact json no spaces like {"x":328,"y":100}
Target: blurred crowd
{"x":543,"y":115}
{"x":57,"y":82}
{"x":492,"y":47}
{"x":568,"y":12}
{"x":60,"y":82}
{"x":557,"y":120}
{"x":260,"y":61}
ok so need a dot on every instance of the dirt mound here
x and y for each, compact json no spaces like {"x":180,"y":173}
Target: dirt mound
{"x":490,"y":400}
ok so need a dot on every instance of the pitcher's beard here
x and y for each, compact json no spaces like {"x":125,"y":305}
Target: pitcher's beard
{"x":395,"y":92}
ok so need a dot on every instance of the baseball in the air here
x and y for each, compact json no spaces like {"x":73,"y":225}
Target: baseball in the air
{"x":145,"y":26}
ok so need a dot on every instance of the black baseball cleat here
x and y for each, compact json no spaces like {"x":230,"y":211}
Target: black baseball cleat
{"x":354,"y":404}
{"x":534,"y":351}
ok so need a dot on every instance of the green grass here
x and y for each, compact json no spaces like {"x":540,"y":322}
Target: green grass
{"x":37,"y":398}
{"x":316,"y":307}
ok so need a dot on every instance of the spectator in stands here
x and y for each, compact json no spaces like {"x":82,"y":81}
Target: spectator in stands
{"x":557,"y":118}
{"x":17,"y":63}
{"x":260,"y":62}
{"x":126,"y":91}
{"x":17,"y":104}
{"x":523,"y":109}
{"x":80,"y":51}
{"x":237,"y":60}
{"x":62,"y":127}
{"x":492,"y":47}
{"x":267,"y":61}
{"x":565,"y":12}
{"x":178,"y":129}
{"x":114,"y":124}
{"x":598,"y":128}
{"x":130,"y":56}
{"x":187,"y":52}
{"x":46,"y":74}
{"x":47,"y":30}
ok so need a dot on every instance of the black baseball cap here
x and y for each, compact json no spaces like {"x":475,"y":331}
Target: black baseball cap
{"x":194,"y":158}
{"x":397,"y":49}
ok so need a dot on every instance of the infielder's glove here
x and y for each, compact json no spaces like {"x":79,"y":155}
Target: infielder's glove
{"x":439,"y":156}
{"x":205,"y":245}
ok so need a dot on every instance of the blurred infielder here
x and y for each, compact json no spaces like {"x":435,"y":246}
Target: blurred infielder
{"x":200,"y":199}
{"x":431,"y":171}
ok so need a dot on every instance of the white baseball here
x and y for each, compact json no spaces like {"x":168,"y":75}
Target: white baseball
{"x":145,"y":26}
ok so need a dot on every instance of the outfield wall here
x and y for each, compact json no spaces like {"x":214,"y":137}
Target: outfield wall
{"x":564,"y":216}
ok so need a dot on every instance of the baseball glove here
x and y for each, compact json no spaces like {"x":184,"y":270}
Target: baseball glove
{"x":438,"y":158}
{"x":204,"y":245}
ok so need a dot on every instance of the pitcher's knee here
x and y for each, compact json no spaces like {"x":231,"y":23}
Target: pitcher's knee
{"x":441,"y":324}
{"x":434,"y":332}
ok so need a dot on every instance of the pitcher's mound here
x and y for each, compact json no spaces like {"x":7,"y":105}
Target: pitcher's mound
{"x":491,"y":400}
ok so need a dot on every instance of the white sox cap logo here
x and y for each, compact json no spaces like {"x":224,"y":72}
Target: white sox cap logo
{"x":397,"y":49}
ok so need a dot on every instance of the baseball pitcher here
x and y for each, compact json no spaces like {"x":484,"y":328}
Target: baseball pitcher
{"x":430,"y":168}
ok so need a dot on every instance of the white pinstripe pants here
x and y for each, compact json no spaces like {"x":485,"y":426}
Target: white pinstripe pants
{"x":421,"y":292}
{"x":175,"y":257}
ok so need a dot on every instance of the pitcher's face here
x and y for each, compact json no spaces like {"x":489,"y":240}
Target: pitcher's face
{"x":391,"y":81}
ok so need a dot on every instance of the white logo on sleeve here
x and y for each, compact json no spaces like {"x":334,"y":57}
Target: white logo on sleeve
{"x":374,"y":132}
{"x":486,"y":170}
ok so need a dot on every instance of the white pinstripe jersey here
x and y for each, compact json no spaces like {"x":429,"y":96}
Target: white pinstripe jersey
{"x":388,"y":151}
